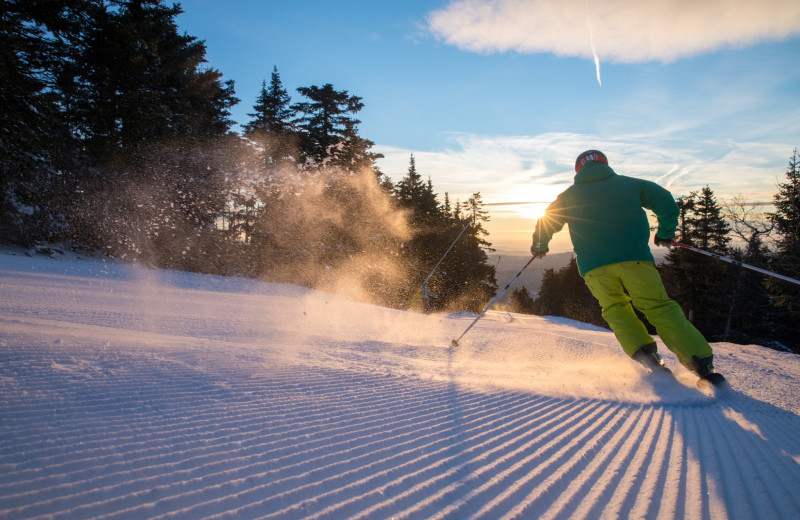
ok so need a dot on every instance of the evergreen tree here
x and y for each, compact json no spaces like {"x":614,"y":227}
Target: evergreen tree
{"x":271,"y":111}
{"x":786,"y":297}
{"x":467,"y":280}
{"x":140,"y":80}
{"x":36,"y":45}
{"x":706,"y":228}
{"x":418,"y":197}
{"x":699,"y":283}
{"x":424,"y":249}
{"x":329,"y":132}
{"x":272,"y":126}
{"x":140,"y":84}
{"x":478,"y":216}
{"x":564,"y":293}
{"x":787,"y":213}
{"x":521,"y":302}
{"x":464,"y":279}
{"x":354,"y":153}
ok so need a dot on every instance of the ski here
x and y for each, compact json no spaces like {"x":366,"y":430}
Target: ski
{"x":714,"y":384}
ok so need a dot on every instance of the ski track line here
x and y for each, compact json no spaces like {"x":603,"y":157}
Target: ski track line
{"x":754,"y":471}
{"x":241,"y":446}
{"x":534,"y":478}
{"x":709,"y":452}
{"x":695,"y":486}
{"x":350,"y":458}
{"x":600,"y":495}
{"x":111,"y":433}
{"x":478,"y":454}
{"x":755,"y":439}
{"x":622,"y":503}
{"x":401,"y":491}
{"x":748,"y":492}
{"x":585,"y":491}
{"x":499,"y":473}
{"x":435,"y":466}
{"x":198,"y":427}
{"x":430,"y":451}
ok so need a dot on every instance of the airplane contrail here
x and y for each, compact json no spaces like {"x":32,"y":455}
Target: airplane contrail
{"x":591,"y":43}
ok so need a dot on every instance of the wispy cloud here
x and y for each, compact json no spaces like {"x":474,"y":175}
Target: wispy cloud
{"x":533,"y":168}
{"x":621,"y":30}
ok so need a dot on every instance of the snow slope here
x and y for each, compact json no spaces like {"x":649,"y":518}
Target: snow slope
{"x":134,"y":393}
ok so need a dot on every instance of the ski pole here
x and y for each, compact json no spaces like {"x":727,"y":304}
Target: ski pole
{"x":735,"y":262}
{"x":455,"y":341}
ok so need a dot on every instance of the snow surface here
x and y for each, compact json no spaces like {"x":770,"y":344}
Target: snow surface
{"x":127,"y":392}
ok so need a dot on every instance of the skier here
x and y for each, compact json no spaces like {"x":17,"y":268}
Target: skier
{"x":610,"y":233}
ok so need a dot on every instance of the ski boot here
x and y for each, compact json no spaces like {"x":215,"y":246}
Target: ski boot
{"x":649,"y":358}
{"x":704,"y":368}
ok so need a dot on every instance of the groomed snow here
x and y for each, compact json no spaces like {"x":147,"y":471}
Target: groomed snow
{"x":133,"y":393}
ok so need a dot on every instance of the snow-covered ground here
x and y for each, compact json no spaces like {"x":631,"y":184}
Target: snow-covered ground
{"x":127,"y":392}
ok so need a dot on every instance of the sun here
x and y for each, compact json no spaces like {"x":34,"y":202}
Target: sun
{"x":532,"y":210}
{"x":532,"y":200}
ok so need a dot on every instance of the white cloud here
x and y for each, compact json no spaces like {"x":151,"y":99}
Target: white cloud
{"x":504,"y":168}
{"x":623,"y":31}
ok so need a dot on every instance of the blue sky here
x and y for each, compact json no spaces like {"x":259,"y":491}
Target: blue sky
{"x":499,"y":96}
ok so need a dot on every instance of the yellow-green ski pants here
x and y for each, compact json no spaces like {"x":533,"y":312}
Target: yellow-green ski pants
{"x":647,"y":293}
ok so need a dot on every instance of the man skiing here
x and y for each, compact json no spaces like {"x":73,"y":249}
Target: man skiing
{"x":610,"y":234}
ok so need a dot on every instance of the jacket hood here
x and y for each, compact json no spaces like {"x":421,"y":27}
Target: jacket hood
{"x":593,"y":172}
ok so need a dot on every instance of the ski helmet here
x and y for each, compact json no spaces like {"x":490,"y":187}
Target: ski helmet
{"x":590,"y":155}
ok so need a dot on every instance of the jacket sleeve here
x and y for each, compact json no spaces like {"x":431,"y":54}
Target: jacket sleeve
{"x":661,"y":202}
{"x":550,"y":223}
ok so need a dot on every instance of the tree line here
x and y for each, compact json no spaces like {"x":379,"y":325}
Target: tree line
{"x":116,"y":137}
{"x":725,"y":301}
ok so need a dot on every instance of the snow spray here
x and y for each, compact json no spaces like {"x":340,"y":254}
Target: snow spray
{"x":454,"y":343}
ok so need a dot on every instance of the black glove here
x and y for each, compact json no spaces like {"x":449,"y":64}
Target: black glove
{"x":539,"y":250}
{"x":665,"y":242}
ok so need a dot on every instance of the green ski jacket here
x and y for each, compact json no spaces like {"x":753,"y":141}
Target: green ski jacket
{"x":606,"y":217}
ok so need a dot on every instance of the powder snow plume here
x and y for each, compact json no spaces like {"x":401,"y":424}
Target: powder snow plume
{"x":263,"y":216}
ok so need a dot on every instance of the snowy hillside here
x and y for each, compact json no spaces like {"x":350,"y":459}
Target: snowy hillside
{"x":133,"y":393}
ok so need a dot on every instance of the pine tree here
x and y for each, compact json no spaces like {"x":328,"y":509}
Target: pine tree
{"x":354,"y":154}
{"x":409,"y":188}
{"x":463,"y":279}
{"x":700,"y":283}
{"x":468,"y":280}
{"x":564,"y":293}
{"x":272,"y":126}
{"x":37,"y":42}
{"x":271,"y":111}
{"x":325,"y":120}
{"x":787,"y":213}
{"x":478,"y":216}
{"x":521,"y":301}
{"x":786,"y":297}
{"x":140,"y":80}
{"x":139,"y":98}
{"x":418,"y":197}
{"x":705,"y":225}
